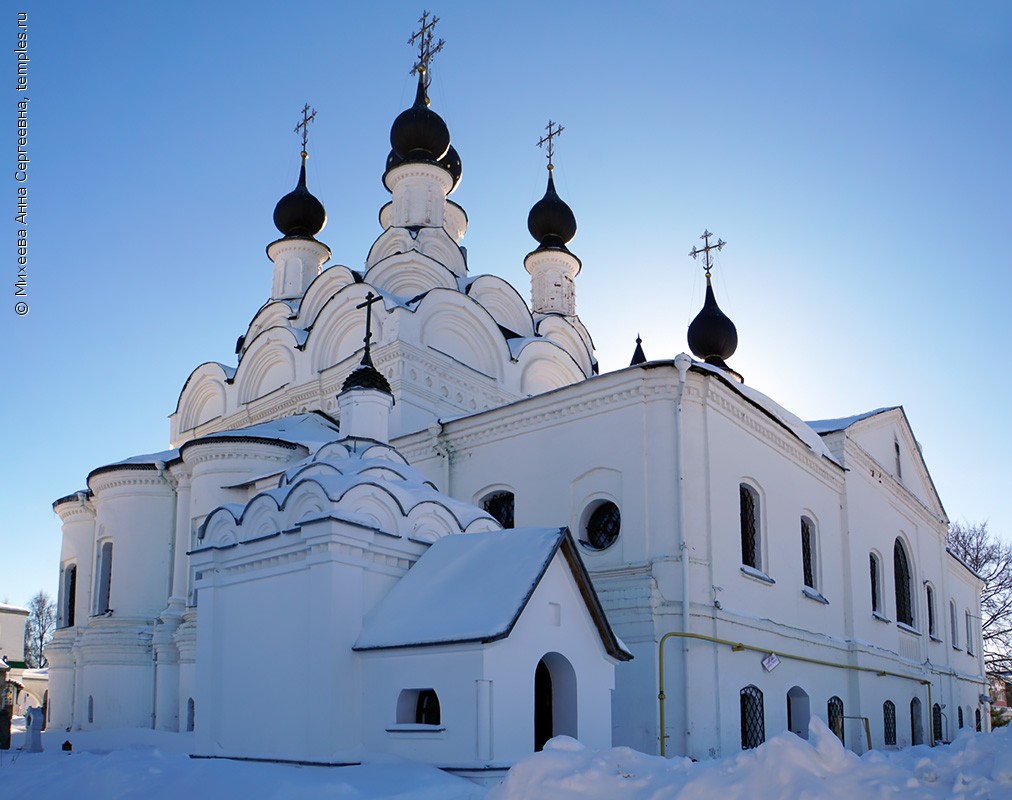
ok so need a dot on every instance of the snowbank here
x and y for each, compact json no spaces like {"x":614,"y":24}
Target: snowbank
{"x":153,"y":765}
{"x":974,"y":767}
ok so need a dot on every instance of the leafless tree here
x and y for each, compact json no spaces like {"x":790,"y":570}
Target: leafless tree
{"x":990,"y":558}
{"x":39,"y":628}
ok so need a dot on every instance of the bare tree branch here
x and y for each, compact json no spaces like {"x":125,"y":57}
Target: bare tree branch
{"x":39,"y":628}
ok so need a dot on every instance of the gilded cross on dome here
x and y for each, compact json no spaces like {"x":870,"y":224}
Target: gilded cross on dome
{"x":705,"y":251}
{"x":303,"y":127}
{"x":549,"y":138}
{"x":370,"y":298}
{"x":426,"y":48}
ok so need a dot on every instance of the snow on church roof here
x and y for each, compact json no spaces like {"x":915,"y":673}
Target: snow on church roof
{"x":842,"y":423}
{"x":472,"y":588}
{"x":312,"y":431}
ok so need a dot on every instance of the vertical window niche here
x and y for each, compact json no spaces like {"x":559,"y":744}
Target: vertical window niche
{"x":808,"y":553}
{"x":103,"y":584}
{"x":929,"y":599}
{"x":904,"y":581}
{"x":749,"y":517}
{"x":68,"y":596}
{"x":875,"y":576}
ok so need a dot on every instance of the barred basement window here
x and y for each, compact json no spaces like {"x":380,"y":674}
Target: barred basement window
{"x":749,"y":502}
{"x":834,"y":716}
{"x":807,"y":550}
{"x":889,"y":722}
{"x":753,"y":725}
{"x":876,"y":596}
{"x":500,"y":505}
{"x":901,"y":573}
{"x":936,"y":722}
{"x":604,"y":525}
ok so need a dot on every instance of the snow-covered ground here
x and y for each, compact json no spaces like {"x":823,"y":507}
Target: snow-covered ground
{"x":153,"y":765}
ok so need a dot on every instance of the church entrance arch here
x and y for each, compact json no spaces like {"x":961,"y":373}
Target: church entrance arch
{"x":554,"y":699}
{"x":799,"y":711}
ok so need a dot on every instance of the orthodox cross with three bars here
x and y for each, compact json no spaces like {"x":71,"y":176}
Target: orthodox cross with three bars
{"x":303,"y":127}
{"x":549,"y":139}
{"x":426,"y":50}
{"x":705,"y":251}
{"x":370,"y":298}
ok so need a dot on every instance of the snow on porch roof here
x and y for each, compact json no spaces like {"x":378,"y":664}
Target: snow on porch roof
{"x":473,"y":587}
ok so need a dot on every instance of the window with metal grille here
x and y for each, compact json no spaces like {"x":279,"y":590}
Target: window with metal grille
{"x":929,"y":596}
{"x":834,"y":716}
{"x":753,"y":725}
{"x":901,"y":573}
{"x":976,"y":714}
{"x":876,"y":598}
{"x":749,"y":501}
{"x":807,"y":551}
{"x":959,"y":717}
{"x":603,"y":526}
{"x":500,"y":505}
{"x":889,"y":722}
{"x":936,"y":722}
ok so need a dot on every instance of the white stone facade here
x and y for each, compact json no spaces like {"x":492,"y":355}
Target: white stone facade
{"x":492,"y":398}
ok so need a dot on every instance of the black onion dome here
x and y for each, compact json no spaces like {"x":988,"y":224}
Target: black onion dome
{"x":712,"y":336}
{"x":366,"y":376}
{"x":450,"y":162}
{"x":299,"y":213}
{"x":419,"y":134}
{"x":550,"y":221}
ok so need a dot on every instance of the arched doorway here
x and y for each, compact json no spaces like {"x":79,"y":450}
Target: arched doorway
{"x":554,"y":699}
{"x":916,"y":727}
{"x":799,"y":711}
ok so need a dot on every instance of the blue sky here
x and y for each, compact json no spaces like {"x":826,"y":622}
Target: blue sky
{"x":855,"y":156}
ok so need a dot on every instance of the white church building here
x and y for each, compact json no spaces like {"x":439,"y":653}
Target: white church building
{"x":472,"y":541}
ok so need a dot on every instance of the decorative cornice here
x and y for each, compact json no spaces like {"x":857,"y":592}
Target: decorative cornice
{"x":106,"y":481}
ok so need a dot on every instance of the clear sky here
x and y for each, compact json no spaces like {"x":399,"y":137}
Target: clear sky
{"x":855,"y":156}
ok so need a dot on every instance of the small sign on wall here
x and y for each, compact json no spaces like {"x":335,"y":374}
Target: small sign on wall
{"x":771,"y":662}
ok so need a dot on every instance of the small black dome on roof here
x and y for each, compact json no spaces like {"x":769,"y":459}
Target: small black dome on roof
{"x":366,"y":376}
{"x":550,"y":221}
{"x":419,"y":134}
{"x":712,"y":335}
{"x":299,"y":213}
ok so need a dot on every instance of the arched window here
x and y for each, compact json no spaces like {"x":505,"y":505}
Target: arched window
{"x":749,"y":513}
{"x":753,"y":724}
{"x":901,"y":573}
{"x":418,"y":707}
{"x":808,"y":552}
{"x":876,"y":583}
{"x":104,"y":584}
{"x":916,"y":725}
{"x":976,"y":714}
{"x":936,"y":722}
{"x":500,"y":505}
{"x":603,"y":526}
{"x":834,"y":716}
{"x":798,"y":711}
{"x":889,"y":722}
{"x":190,"y":714}
{"x":929,"y":598}
{"x":953,"y":630}
{"x":959,"y":717}
{"x":969,"y":634}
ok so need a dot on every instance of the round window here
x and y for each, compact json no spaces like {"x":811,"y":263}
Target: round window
{"x":603,"y":526}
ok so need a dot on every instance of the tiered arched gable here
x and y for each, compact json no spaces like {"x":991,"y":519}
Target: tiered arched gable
{"x":203,"y":396}
{"x":503,"y":302}
{"x":267,"y":364}
{"x":459,"y":327}
{"x":338,"y":328}
{"x":546,"y":366}
{"x":409,"y":274}
{"x":275,"y":314}
{"x":321,"y":290}
{"x":561,"y":331}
